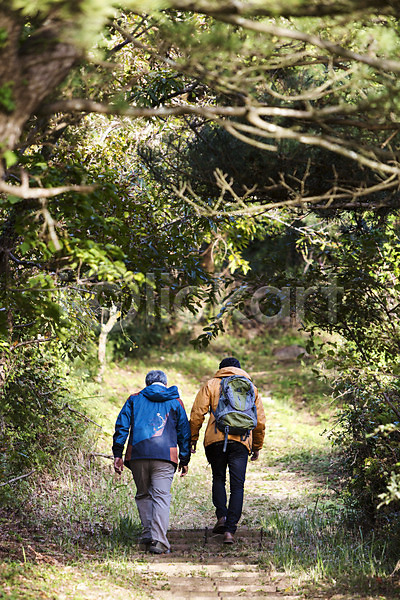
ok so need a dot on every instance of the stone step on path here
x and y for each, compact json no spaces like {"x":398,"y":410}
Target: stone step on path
{"x":188,"y":541}
{"x":225,"y":579}
{"x":201,"y":567}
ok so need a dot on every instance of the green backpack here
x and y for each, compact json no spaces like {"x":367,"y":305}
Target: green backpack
{"x":236,"y":412}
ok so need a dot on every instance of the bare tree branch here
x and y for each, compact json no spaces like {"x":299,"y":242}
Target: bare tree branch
{"x":259,"y":127}
{"x":102,"y":455}
{"x":73,"y":410}
{"x":90,"y":106}
{"x":17,"y":478}
{"x":24,"y":263}
{"x":236,"y":206}
{"x":270,"y":130}
{"x":312,"y":8}
{"x":135,"y":34}
{"x":27,"y":193}
{"x":36,"y":341}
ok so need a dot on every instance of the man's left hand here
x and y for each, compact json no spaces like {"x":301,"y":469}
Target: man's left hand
{"x":118,"y":465}
{"x":184,"y":470}
{"x":254,"y":455}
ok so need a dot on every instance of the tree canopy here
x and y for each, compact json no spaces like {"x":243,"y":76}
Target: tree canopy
{"x":321,"y":74}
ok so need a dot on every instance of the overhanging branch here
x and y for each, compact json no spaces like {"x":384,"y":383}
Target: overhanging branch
{"x":25,"y":192}
{"x":381,"y":64}
{"x":312,"y":8}
{"x":90,"y":106}
{"x":259,"y":126}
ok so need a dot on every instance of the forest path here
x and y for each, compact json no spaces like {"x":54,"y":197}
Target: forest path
{"x":289,"y":517}
{"x":289,"y":479}
{"x":202,"y":568}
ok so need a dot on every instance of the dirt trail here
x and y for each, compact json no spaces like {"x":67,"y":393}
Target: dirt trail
{"x":200,"y":567}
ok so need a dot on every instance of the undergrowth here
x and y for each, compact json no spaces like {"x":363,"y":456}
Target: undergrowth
{"x":320,"y":546}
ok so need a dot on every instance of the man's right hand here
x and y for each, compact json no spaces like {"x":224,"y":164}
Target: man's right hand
{"x":193,"y":447}
{"x":118,"y":465}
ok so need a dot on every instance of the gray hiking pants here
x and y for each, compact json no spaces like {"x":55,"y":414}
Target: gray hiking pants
{"x":153,"y":479}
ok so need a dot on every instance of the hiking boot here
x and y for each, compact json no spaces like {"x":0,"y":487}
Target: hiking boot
{"x":158,"y":548}
{"x":144,"y":544}
{"x":228,"y":538}
{"x":219,"y":526}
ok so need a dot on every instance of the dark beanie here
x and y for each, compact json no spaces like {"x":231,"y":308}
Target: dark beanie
{"x":229,"y":362}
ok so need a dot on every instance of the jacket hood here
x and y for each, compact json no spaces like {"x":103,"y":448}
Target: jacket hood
{"x":228,"y":371}
{"x":159,"y":393}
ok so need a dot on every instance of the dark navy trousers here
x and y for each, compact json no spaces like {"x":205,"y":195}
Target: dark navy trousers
{"x":235,"y":459}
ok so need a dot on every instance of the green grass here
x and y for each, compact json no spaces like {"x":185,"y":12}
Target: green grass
{"x":113,"y":577}
{"x":315,"y":548}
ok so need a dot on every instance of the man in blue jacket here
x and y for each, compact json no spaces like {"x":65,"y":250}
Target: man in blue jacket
{"x":156,"y":422}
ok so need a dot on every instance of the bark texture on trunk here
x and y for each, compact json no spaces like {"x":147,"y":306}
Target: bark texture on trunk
{"x":29,"y":71}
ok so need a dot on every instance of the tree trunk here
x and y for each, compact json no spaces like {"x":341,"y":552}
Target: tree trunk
{"x":29,"y":71}
{"x":113,"y":317}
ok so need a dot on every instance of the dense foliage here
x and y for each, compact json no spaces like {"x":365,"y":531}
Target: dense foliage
{"x":359,"y":261}
{"x":41,"y":421}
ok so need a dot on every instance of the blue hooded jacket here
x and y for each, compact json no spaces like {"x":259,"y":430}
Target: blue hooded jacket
{"x":156,"y":422}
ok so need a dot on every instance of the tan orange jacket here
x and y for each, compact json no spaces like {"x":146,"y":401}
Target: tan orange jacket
{"x":208,"y":396}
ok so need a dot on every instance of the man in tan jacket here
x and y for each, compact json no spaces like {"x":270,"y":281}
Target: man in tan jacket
{"x":237,"y":451}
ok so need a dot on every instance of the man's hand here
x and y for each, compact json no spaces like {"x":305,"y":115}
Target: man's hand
{"x":193,"y":447}
{"x":118,"y":465}
{"x":254,"y":455}
{"x":184,"y":469}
